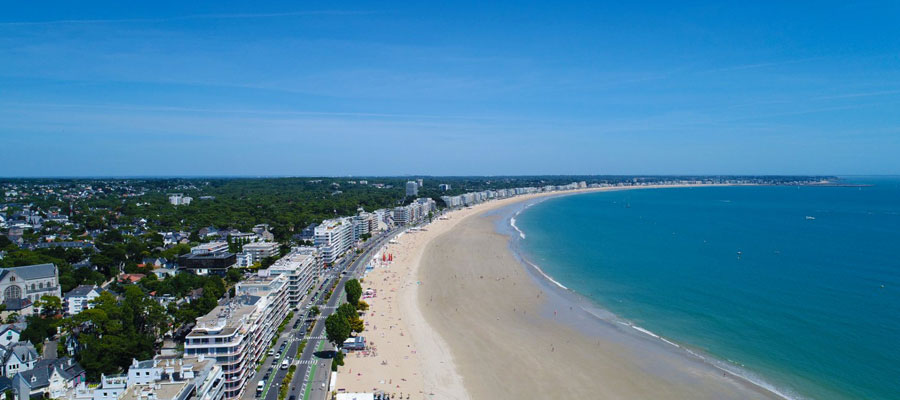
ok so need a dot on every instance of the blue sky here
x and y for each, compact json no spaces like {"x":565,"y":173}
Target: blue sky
{"x":458,"y":88}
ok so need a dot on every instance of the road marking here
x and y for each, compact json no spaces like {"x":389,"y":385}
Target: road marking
{"x":311,"y":372}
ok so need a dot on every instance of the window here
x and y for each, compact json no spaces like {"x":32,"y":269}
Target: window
{"x":12,"y":292}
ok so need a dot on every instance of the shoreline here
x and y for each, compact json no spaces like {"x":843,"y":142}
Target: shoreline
{"x":438,"y":359}
{"x":603,"y":315}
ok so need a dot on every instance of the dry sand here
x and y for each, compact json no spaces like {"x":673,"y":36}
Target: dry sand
{"x":457,"y":316}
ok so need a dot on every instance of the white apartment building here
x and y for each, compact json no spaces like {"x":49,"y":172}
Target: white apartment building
{"x":169,"y":378}
{"x":110,"y":388}
{"x":334,"y":237}
{"x":412,"y":189}
{"x":162,"y":378}
{"x":260,"y":250}
{"x":302,"y":270}
{"x":79,"y":299}
{"x":413,"y":213}
{"x":179,"y":199}
{"x":210,"y":248}
{"x":363,"y":223}
{"x":319,"y":263}
{"x":243,"y":260}
{"x":236,"y":333}
{"x":400,"y":215}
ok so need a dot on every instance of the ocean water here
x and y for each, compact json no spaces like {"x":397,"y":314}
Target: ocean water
{"x":810,"y":306}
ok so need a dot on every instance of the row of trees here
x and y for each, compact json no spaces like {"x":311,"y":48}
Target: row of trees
{"x":345,"y":320}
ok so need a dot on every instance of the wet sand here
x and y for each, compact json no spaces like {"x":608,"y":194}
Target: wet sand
{"x":459,"y":316}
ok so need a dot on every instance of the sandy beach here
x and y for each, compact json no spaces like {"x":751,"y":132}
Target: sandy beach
{"x":458,"y":316}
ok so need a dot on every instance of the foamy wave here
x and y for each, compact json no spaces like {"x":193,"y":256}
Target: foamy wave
{"x":547,"y":277}
{"x":730,"y":367}
{"x":512,"y":222}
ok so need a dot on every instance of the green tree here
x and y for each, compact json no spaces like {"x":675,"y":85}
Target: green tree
{"x":346,"y":311}
{"x":353,"y":290}
{"x":49,"y":305}
{"x":337,"y":329}
{"x":338,"y":360}
{"x":234,"y":275}
{"x":39,"y":329}
{"x":356,"y":325}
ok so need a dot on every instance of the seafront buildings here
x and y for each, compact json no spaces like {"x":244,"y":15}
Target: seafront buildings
{"x":236,"y":332}
{"x":301,"y":269}
{"x":334,"y":237}
{"x":472,"y":198}
{"x":413,"y":213}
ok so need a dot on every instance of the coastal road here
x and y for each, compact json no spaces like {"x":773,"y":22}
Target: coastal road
{"x":311,"y":378}
{"x":289,"y":336}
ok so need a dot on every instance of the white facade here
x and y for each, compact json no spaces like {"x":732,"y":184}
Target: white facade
{"x":111,"y":387}
{"x":334,"y":237}
{"x":243,"y":260}
{"x":412,"y":189}
{"x":79,"y":299}
{"x":210,"y":248}
{"x":302,"y":271}
{"x":179,"y":199}
{"x":414,"y":213}
{"x":260,"y":250}
{"x":236,"y":333}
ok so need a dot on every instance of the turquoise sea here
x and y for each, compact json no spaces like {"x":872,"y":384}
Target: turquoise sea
{"x":796,"y":286}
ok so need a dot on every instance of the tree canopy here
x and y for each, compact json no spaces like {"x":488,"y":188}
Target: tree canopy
{"x":337,"y":329}
{"x":353,"y":290}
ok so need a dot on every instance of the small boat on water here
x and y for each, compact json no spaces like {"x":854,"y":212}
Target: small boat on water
{"x":809,"y":218}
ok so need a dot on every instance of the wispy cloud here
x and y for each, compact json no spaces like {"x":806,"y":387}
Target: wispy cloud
{"x":188,"y":17}
{"x":759,"y":65}
{"x":863,"y":94}
{"x":251,"y":111}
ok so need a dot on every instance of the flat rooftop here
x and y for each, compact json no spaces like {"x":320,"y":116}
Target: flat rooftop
{"x":226,"y":318}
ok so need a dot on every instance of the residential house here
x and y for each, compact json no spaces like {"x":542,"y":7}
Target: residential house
{"x":49,"y":378}
{"x":10,"y":333}
{"x":18,"y":357}
{"x":79,"y":299}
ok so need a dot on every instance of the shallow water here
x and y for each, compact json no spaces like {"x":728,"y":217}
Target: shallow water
{"x":742,"y":274}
